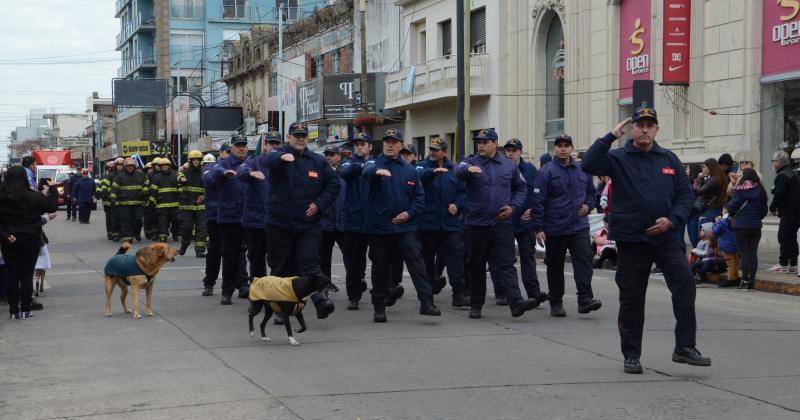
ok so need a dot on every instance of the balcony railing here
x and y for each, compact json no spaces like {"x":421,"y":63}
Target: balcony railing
{"x":184,"y":11}
{"x":436,"y":79}
{"x":140,"y":60}
{"x":139,"y":22}
{"x":120,"y":7}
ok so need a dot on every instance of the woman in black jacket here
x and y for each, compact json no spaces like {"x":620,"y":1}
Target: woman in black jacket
{"x":748,"y":206}
{"x":21,"y":236}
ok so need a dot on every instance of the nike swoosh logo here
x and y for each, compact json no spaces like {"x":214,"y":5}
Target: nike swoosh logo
{"x":675,"y":68}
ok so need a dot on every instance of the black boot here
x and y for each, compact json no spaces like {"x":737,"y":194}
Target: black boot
{"x":380,"y":315}
{"x":395,"y":294}
{"x":557,"y":309}
{"x":589,"y":305}
{"x":183,"y":249}
{"x":500,"y":301}
{"x":632,"y":365}
{"x":523,"y":306}
{"x":539,"y":297}
{"x":428,"y":308}
{"x":460,"y":300}
{"x":200,"y":254}
{"x":691,"y":356}
{"x":208,"y":291}
{"x":324,"y":307}
{"x":439,"y":284}
{"x":244,"y":292}
{"x":225,"y":300}
{"x":352,"y":305}
{"x":475,"y":313}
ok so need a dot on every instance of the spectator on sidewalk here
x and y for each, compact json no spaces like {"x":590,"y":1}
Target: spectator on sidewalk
{"x":713,"y":262}
{"x":736,"y":177}
{"x":727,"y":244}
{"x":727,"y":164}
{"x":21,"y":236}
{"x":713,"y":192}
{"x":606,"y":248}
{"x":694,"y":171}
{"x":748,"y":206}
{"x":786,"y":203}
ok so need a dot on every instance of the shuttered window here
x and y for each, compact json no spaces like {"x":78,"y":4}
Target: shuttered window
{"x":447,"y":37}
{"x":478,"y":31}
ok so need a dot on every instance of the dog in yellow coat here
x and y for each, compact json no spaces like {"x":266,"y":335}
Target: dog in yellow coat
{"x":284,"y":295}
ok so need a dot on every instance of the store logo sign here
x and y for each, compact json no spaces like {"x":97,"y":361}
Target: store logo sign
{"x":788,"y":32}
{"x":638,"y":63}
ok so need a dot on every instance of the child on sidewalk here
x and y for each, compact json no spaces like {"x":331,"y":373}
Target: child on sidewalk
{"x":712,"y":262}
{"x":727,"y":244}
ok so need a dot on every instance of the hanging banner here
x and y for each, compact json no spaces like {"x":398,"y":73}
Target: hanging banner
{"x":780,"y":49}
{"x":677,"y":35}
{"x":634,"y":44}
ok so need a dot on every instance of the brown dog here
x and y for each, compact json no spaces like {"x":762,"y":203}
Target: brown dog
{"x":138,"y":271}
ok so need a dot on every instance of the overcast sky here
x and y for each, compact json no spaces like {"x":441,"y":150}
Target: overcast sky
{"x":30,"y":30}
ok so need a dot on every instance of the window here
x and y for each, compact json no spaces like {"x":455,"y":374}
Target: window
{"x":291,"y":11}
{"x":555,"y":68}
{"x":234,"y":9}
{"x":273,"y":84}
{"x":419,"y":41}
{"x":336,"y":61}
{"x":477,"y":36}
{"x":318,"y":66}
{"x":186,"y":46}
{"x":186,"y":9}
{"x":227,"y":50}
{"x":187,"y":84}
{"x":446,"y":34}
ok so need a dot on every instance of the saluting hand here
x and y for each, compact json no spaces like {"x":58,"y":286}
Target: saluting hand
{"x":452,"y":209}
{"x":383,"y":172}
{"x":312,"y":210}
{"x":439,"y":171}
{"x":662,"y":225}
{"x":287,"y":157}
{"x":618,"y":131}
{"x":401,"y":218}
{"x":474,"y":170}
{"x":583,"y":211}
{"x":258,"y":175}
{"x":229,"y":173}
{"x":505,"y":214}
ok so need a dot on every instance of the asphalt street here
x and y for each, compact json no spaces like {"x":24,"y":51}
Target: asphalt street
{"x":194,"y":358}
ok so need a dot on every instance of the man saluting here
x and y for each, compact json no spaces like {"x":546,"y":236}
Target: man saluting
{"x":651,"y":197}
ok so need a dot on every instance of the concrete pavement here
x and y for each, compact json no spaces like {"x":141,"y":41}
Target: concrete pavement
{"x":194,"y":358}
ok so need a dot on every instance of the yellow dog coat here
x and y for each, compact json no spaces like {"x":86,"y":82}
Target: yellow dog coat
{"x":275,"y":289}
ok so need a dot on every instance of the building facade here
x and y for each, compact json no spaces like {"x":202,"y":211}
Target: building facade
{"x":541,"y":67}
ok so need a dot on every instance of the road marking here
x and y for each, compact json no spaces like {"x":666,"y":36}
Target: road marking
{"x":69,"y":273}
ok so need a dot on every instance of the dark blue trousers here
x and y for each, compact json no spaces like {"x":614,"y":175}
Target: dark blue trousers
{"x":495,"y":244}
{"x":386,"y":249}
{"x":633,"y":271}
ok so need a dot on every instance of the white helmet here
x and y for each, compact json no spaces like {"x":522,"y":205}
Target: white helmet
{"x":209,"y":158}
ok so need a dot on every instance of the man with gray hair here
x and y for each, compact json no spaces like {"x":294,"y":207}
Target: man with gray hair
{"x":786,"y":202}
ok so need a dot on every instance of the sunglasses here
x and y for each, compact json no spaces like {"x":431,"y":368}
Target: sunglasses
{"x":745,"y":162}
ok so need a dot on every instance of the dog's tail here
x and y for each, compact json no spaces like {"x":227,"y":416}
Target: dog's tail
{"x":124,"y":248}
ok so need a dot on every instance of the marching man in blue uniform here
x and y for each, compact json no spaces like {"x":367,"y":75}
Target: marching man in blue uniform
{"x":495,"y":191}
{"x":356,"y":209}
{"x":396,"y":199}
{"x":652,"y":197}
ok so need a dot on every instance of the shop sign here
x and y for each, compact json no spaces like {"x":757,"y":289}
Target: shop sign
{"x":634,"y":47}
{"x":677,"y":46}
{"x":141,"y":148}
{"x":780,"y":40}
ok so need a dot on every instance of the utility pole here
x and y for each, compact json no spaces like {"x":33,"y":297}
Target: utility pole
{"x":463,"y":73}
{"x":362,"y":13}
{"x":278,"y":71}
{"x":178,"y":122}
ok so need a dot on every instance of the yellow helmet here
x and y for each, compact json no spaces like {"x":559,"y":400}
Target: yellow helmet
{"x":165,"y":161}
{"x":209,"y":158}
{"x":149,"y":165}
{"x":195,"y":154}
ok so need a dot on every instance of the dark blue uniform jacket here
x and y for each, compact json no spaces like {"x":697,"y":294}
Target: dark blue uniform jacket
{"x":559,"y":191}
{"x":255,"y":196}
{"x":441,"y":191}
{"x":356,"y":204}
{"x":231,"y":190}
{"x":499,"y":185}
{"x":392,"y":195}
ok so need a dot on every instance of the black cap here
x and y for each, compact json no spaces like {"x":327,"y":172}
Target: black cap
{"x":225,"y":147}
{"x":298,"y":129}
{"x":331,"y":150}
{"x":644,"y":112}
{"x":486,"y":134}
{"x":515,"y":143}
{"x":393,"y":133}
{"x":409,"y":148}
{"x":238,"y":139}
{"x":273,"y":137}
{"x":362,"y":136}
{"x":563,"y":138}
{"x":438,"y":144}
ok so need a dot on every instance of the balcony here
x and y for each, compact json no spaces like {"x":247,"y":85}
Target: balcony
{"x":120,"y":7}
{"x":437,"y":80}
{"x":138,"y":62}
{"x":184,"y":11}
{"x":138,"y":23}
